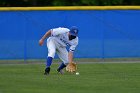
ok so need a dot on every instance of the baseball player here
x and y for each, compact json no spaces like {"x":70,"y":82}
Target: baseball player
{"x":58,"y":40}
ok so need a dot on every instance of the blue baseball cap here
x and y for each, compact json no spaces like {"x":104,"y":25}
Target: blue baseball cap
{"x":74,"y":31}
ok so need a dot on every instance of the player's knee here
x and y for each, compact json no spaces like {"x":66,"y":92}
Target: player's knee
{"x":66,"y":62}
{"x":52,"y":53}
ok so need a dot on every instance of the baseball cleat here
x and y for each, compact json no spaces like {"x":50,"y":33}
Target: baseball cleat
{"x":47,"y":71}
{"x":60,"y":71}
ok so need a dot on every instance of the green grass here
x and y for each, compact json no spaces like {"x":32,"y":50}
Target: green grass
{"x":93,"y":78}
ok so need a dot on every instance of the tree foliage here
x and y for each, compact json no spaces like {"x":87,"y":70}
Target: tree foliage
{"x":25,"y":3}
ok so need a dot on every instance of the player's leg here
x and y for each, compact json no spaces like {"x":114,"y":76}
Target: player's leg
{"x":51,"y":54}
{"x":63,"y":55}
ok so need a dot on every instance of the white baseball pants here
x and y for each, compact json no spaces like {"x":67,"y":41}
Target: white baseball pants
{"x":54,"y":47}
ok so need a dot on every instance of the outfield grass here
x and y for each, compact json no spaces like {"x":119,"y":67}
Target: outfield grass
{"x":93,"y":78}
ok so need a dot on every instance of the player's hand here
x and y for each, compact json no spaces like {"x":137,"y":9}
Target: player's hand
{"x":41,"y":41}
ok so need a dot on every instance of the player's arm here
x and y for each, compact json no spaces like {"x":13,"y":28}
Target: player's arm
{"x":70,"y":56}
{"x":47,"y":34}
{"x":71,"y":51}
{"x":71,"y":67}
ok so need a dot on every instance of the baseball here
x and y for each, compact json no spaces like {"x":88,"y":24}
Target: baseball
{"x":77,"y":73}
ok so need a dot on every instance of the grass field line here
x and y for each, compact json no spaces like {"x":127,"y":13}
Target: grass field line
{"x":114,"y":62}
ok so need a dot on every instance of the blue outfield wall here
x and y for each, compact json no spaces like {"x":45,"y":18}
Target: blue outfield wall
{"x":103,"y":33}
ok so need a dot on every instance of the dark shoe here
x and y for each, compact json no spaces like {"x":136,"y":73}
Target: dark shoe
{"x":60,"y":71}
{"x":47,"y":71}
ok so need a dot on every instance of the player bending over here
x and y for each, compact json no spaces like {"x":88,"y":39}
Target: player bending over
{"x":58,"y":39}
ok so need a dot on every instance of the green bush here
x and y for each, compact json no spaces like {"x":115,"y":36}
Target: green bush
{"x":25,"y":3}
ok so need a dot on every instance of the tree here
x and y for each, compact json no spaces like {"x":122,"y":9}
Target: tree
{"x":25,"y":3}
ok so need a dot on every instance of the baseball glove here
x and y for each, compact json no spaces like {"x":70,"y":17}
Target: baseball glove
{"x":71,"y":67}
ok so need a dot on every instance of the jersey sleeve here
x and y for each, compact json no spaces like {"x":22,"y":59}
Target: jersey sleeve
{"x":58,"y":31}
{"x":74,"y":45}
